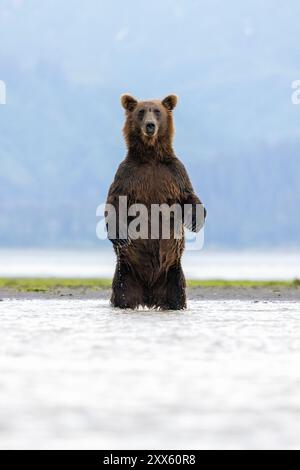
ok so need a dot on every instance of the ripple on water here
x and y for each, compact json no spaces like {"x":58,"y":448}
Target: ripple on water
{"x":77,"y":373}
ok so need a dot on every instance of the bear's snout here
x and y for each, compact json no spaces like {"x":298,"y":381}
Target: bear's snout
{"x":150,"y":128}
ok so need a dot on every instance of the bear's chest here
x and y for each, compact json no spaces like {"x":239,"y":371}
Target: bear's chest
{"x":154,"y":184}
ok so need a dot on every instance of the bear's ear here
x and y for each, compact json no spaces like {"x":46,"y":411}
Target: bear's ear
{"x":170,"y":102}
{"x":128,"y":102}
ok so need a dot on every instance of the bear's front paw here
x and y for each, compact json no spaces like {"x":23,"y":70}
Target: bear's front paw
{"x":194,"y":217}
{"x":121,"y":242}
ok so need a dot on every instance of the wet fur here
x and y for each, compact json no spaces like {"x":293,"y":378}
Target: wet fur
{"x":149,"y":272}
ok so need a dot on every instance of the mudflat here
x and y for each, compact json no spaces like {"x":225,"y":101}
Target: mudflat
{"x":82,"y":289}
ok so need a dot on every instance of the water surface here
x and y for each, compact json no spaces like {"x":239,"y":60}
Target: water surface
{"x":253,"y":265}
{"x":77,"y":374}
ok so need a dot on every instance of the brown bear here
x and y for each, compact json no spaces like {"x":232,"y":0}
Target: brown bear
{"x":148,"y":271}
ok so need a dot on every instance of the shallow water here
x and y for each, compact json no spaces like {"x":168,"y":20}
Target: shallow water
{"x":223,"y":374}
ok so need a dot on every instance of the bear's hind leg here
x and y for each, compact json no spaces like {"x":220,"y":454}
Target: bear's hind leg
{"x":169,"y":293}
{"x":176,"y":295}
{"x":127,"y":291}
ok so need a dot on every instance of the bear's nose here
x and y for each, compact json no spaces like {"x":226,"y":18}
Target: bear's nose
{"x":150,"y":128}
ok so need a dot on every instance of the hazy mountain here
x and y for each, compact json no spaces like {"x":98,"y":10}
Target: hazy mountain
{"x":65,"y":65}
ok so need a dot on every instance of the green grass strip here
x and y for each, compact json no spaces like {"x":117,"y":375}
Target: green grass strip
{"x":53,"y":284}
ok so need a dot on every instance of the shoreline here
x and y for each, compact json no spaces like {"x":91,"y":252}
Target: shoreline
{"x":255,"y":292}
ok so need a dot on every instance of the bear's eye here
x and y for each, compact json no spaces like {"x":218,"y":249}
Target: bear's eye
{"x":157,"y":112}
{"x":141,"y":113}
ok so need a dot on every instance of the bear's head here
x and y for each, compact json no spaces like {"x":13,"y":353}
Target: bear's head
{"x":148,"y":122}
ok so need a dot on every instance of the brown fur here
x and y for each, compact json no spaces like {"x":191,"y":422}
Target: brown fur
{"x":149,"y":272}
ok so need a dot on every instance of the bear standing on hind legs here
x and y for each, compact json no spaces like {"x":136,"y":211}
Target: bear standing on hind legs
{"x":148,"y":271}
